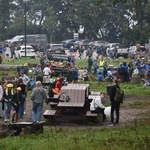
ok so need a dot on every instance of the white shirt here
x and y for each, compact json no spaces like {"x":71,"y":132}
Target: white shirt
{"x":46,"y":71}
{"x":97,"y":102}
{"x":1,"y":92}
{"x":25,"y":79}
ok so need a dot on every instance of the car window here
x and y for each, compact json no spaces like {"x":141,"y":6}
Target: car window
{"x":54,"y":47}
{"x":29,"y":48}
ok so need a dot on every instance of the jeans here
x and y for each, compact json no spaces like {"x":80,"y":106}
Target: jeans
{"x":1,"y":111}
{"x":22,"y":106}
{"x":37,"y":109}
{"x":7,"y":109}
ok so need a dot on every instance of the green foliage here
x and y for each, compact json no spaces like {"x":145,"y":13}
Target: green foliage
{"x":59,"y":139}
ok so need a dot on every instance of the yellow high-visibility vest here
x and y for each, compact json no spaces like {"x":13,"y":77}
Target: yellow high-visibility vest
{"x":101,"y":64}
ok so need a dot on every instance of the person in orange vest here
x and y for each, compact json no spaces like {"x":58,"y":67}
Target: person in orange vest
{"x":58,"y":84}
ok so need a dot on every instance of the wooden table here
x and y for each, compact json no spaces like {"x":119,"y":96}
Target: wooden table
{"x":75,"y":109}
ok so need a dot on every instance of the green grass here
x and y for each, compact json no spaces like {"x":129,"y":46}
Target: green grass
{"x":22,"y":61}
{"x":94,"y":86}
{"x":104,"y":139}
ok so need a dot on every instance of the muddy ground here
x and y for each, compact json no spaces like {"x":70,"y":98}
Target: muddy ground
{"x":134,"y":110}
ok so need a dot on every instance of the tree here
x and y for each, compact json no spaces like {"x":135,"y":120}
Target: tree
{"x":50,"y":22}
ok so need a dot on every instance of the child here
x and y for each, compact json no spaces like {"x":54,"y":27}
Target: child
{"x":16,"y":101}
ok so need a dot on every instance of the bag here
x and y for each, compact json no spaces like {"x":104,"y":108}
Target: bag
{"x":53,"y":84}
{"x":64,"y":97}
{"x":119,"y":95}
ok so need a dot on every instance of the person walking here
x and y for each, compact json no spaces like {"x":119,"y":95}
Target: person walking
{"x":8,"y":93}
{"x":38,"y":96}
{"x":96,"y":106}
{"x":115,"y":106}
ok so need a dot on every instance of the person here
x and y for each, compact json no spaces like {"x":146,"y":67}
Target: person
{"x":46,"y":70}
{"x":38,"y":96}
{"x":58,"y":85}
{"x":22,"y":106}
{"x":24,"y":78}
{"x":115,"y":106}
{"x":8,"y":93}
{"x":100,"y":77}
{"x":26,"y":69}
{"x":1,"y":98}
{"x":75,"y":72}
{"x":70,"y":75}
{"x":121,"y":72}
{"x":16,"y":101}
{"x":101,"y":64}
{"x":90,"y":63}
{"x":95,"y":67}
{"x":96,"y":106}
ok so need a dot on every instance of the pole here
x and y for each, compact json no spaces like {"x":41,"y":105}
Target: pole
{"x":25,"y":26}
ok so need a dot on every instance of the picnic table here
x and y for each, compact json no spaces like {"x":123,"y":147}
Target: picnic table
{"x":76,"y":108}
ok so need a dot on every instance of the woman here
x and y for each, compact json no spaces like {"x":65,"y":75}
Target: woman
{"x":8,"y":93}
{"x":38,"y":96}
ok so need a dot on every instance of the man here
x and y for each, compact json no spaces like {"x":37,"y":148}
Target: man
{"x":101,"y":64}
{"x":96,"y":106}
{"x":25,"y":78}
{"x":115,"y":105}
{"x":38,"y":96}
{"x":47,"y":70}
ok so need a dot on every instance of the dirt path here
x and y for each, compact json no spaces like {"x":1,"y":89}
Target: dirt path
{"x":134,"y":109}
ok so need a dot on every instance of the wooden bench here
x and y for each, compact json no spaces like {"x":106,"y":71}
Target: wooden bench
{"x":29,"y":127}
{"x":89,"y":114}
{"x":49,"y":113}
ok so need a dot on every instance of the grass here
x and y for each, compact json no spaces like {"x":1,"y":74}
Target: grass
{"x":135,"y":137}
{"x":104,"y":139}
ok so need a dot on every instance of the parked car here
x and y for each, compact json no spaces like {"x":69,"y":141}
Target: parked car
{"x":15,"y":40}
{"x":54,"y":49}
{"x":121,"y":51}
{"x":132,"y":51}
{"x":68,"y":43}
{"x":96,"y":44}
{"x":20,"y":51}
{"x":83,"y":42}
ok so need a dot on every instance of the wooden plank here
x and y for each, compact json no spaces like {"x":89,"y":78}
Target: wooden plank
{"x":49,"y":112}
{"x":89,"y":114}
{"x":70,"y":104}
{"x":95,"y":93}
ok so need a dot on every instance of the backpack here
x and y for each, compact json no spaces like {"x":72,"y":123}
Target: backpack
{"x":120,"y":70}
{"x":53,"y":84}
{"x":64,"y":97}
{"x":119,"y":97}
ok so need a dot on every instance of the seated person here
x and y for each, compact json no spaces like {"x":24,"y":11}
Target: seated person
{"x":58,"y":83}
{"x":96,"y":106}
{"x":84,"y":75}
{"x":147,"y":82}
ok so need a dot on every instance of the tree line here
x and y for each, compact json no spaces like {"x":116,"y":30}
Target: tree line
{"x":122,"y":21}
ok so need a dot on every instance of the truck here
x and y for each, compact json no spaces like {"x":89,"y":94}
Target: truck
{"x":31,"y":39}
{"x":59,"y":64}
